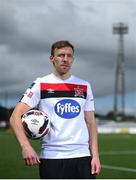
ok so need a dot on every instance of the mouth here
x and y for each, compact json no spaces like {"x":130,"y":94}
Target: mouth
{"x":64,"y":65}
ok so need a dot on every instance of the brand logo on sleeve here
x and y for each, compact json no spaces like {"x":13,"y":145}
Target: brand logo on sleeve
{"x":67,"y":108}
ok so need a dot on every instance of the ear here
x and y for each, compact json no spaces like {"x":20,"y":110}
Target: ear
{"x":51,"y":58}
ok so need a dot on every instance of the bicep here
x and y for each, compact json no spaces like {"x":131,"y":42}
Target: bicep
{"x":19,"y":110}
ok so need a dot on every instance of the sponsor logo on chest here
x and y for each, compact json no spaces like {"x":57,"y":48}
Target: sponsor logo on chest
{"x":67,"y":108}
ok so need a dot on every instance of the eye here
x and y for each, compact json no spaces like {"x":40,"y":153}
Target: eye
{"x":67,"y":55}
{"x":61,"y":55}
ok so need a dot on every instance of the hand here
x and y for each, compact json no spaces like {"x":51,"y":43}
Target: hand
{"x":30,"y":156}
{"x":95,"y":166}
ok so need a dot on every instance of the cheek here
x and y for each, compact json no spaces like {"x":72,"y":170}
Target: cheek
{"x":71,"y":62}
{"x":56,"y":62}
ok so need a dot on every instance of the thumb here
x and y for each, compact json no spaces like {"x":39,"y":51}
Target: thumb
{"x":92,"y":169}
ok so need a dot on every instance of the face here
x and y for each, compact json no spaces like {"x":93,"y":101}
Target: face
{"x":62,"y":60}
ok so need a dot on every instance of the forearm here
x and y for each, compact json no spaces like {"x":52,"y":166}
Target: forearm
{"x":95,"y":163}
{"x":92,"y":129}
{"x":93,"y":142}
{"x":93,"y":139}
{"x":16,"y":125}
{"x":29,"y":155}
{"x":18,"y":130}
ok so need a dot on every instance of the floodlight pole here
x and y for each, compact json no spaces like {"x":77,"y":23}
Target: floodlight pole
{"x":120,"y":29}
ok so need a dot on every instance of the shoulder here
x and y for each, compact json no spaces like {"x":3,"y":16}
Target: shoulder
{"x":80,"y":81}
{"x":46,"y":78}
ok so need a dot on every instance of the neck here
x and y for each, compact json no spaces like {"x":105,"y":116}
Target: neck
{"x":62,"y":76}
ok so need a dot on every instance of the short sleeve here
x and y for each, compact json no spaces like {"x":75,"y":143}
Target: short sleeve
{"x":32,"y":95}
{"x":89,"y":105}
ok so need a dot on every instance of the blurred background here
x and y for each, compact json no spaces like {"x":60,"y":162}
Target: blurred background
{"x":103,"y":33}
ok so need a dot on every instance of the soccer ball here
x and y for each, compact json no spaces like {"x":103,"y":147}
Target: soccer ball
{"x":36,"y":124}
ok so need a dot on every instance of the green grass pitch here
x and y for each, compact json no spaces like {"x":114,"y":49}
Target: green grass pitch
{"x":117,"y":155}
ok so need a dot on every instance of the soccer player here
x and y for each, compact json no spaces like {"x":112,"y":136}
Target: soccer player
{"x":70,"y":149}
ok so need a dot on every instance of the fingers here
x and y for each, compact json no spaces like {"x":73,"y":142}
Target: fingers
{"x":95,"y":167}
{"x":30,"y":156}
{"x":30,"y":161}
{"x":95,"y":170}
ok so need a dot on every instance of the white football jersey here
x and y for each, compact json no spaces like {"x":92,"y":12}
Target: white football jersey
{"x":65,"y":102}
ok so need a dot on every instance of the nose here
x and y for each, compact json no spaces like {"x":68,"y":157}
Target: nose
{"x":65,"y":57}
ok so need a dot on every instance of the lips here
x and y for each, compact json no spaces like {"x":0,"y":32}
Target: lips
{"x":64,"y":65}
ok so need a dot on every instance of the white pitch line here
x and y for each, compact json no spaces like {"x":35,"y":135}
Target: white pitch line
{"x":118,"y":168}
{"x":117,"y":153}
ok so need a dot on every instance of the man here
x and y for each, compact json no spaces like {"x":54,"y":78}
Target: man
{"x":70,"y":149}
